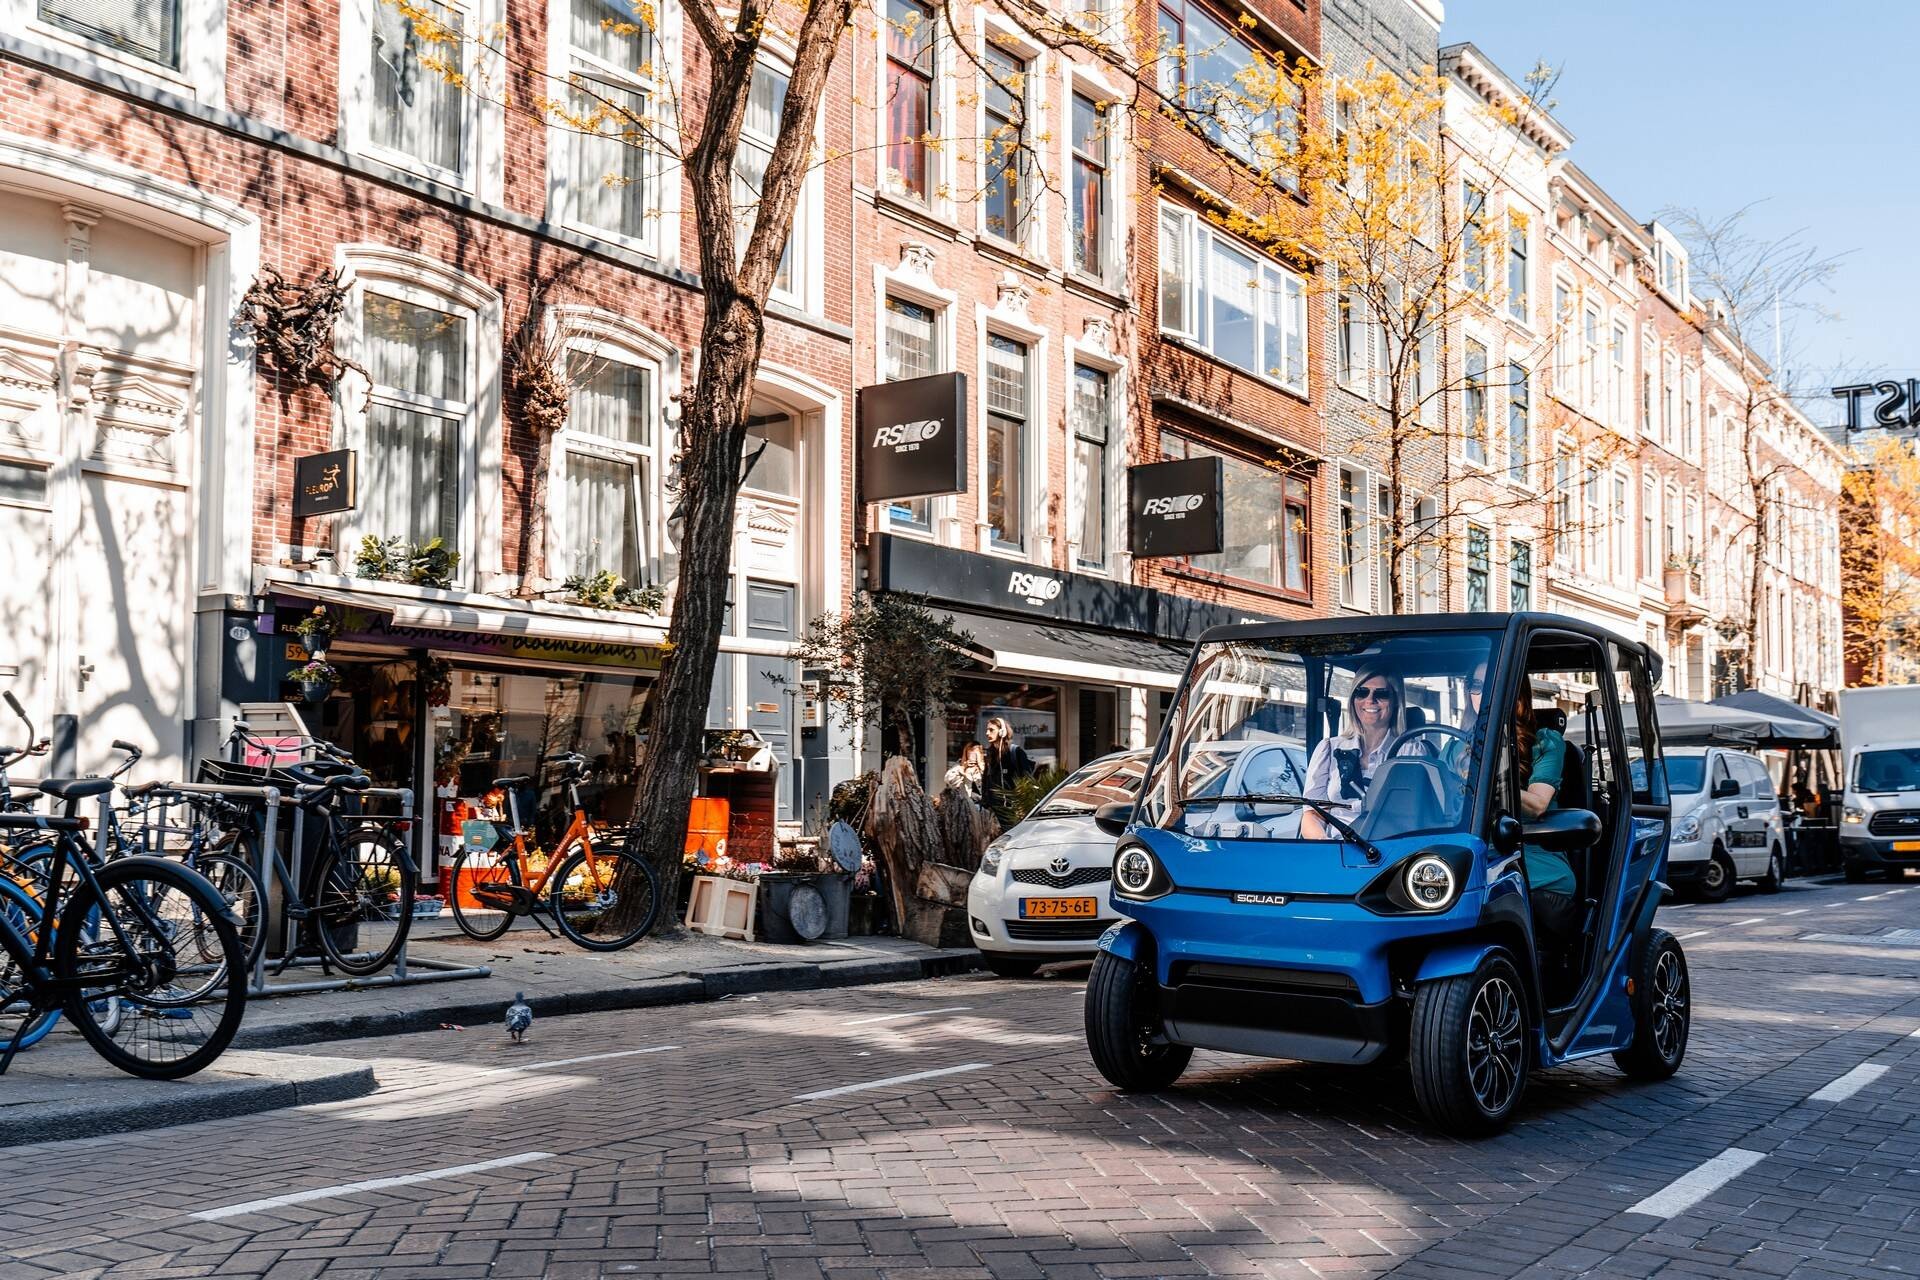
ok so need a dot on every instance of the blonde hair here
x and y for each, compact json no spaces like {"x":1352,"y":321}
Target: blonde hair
{"x":998,"y":727}
{"x":1350,"y":723}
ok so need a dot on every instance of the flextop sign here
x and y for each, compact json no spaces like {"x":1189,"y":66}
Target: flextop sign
{"x":323,"y":483}
{"x":1176,"y":508}
{"x":913,"y":438}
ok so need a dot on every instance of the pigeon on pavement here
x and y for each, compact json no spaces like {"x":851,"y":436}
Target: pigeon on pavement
{"x":519,"y":1018}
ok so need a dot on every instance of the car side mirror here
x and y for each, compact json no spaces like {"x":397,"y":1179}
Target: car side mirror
{"x":1114,"y":816}
{"x":1725,"y":789}
{"x":1508,"y":835}
{"x":1563,"y":831}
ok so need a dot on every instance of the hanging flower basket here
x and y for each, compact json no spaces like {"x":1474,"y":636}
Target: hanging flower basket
{"x":316,"y":679}
{"x":316,"y":632}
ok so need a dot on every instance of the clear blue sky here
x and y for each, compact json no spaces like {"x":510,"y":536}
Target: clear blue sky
{"x":1717,"y":104}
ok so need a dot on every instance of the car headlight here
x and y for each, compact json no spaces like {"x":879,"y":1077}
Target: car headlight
{"x":990,"y":861}
{"x":1430,"y":883}
{"x":1853,"y":816}
{"x":1134,"y":870}
{"x":1688,"y":828}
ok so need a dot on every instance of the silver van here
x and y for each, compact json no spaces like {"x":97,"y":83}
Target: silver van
{"x":1727,"y":824}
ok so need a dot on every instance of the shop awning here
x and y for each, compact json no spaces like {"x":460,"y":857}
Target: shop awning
{"x":530,"y":619}
{"x":1822,"y":730}
{"x":1032,"y":647}
{"x":1702,"y":723}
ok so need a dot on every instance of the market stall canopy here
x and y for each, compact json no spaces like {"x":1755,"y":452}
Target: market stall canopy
{"x":1703,"y":723}
{"x":1826,"y":728}
{"x":1035,"y":648}
{"x":533,"y":620}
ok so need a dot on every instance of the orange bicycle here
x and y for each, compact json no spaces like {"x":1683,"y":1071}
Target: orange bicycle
{"x":583,"y":889}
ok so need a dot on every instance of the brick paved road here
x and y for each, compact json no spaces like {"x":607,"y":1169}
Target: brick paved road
{"x":694,"y":1153}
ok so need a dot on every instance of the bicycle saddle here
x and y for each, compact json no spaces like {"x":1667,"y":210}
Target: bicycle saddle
{"x":517,"y":780}
{"x":76,"y":788}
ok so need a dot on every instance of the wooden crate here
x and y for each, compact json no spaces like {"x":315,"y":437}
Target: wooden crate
{"x":722,"y":908}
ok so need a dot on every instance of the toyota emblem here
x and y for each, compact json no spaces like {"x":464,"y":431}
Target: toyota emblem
{"x":1059,"y":866}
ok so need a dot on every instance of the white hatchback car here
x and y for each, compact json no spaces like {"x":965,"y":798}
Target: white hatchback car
{"x":1726,"y":823}
{"x":1041,"y":891}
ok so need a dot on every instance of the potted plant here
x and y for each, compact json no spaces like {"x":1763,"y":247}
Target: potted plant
{"x":315,"y":631}
{"x":432,"y":563}
{"x":427,"y":564}
{"x":316,"y":680}
{"x":606,"y":589}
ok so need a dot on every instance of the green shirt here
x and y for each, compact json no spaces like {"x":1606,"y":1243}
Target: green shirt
{"x":1549,"y":872}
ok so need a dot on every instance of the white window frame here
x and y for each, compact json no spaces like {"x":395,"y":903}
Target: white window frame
{"x":1200,"y":239}
{"x":1353,"y":585}
{"x":1081,"y":82}
{"x":482,"y":171}
{"x":1116,"y":559}
{"x":997,"y":33}
{"x":201,"y":75}
{"x":1466,"y":565}
{"x":918,"y":288}
{"x":1352,"y":322}
{"x":1565,"y":304}
{"x":606,"y":335}
{"x":424,"y":281}
{"x":940,"y":159}
{"x":1519,"y":308}
{"x":1485,"y":439}
{"x":1619,"y":373}
{"x":1034,"y":540}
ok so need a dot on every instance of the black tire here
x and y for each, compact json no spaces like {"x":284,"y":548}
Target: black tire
{"x":607,"y":904}
{"x":1469,"y":1048}
{"x":363,"y":900}
{"x":1118,"y":1027}
{"x":1854,"y":873}
{"x":160,"y":1029}
{"x":1716,"y":879}
{"x":482,"y":926}
{"x":233,"y":879}
{"x":1662,"y":1010}
{"x":1776,"y":871}
{"x":1002,"y":965}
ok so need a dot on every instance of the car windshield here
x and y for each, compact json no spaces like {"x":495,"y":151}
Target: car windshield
{"x":1367,"y":735}
{"x":1893,"y":769}
{"x":1102,"y":782}
{"x":1686,"y":773}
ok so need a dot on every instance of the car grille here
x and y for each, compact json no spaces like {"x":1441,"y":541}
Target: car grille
{"x":1895,"y":822}
{"x":1056,"y":930}
{"x":1311,"y":982}
{"x":1073,"y":879}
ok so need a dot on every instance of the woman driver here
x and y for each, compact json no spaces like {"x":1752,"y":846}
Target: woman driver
{"x":1550,"y":881}
{"x":1342,"y":767}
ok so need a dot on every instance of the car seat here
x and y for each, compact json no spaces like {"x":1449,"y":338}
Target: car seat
{"x":1406,"y":796}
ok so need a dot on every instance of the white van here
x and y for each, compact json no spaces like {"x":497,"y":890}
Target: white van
{"x":1880,"y":807}
{"x":1726,"y":823}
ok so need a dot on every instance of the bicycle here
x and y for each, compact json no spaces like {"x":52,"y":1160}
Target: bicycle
{"x":169,"y":1017}
{"x":584,"y":888}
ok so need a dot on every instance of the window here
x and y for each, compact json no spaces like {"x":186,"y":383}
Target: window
{"x":609,"y":173}
{"x":1246,"y":311}
{"x":1353,"y":493}
{"x":1177,"y":280}
{"x":1620,"y":529}
{"x":909,"y":94}
{"x":1092,"y":430}
{"x":1205,"y":70}
{"x":609,"y":450}
{"x":1649,"y":530}
{"x":1425,"y":538}
{"x":1479,"y":569}
{"x":417,"y":357}
{"x":1669,"y":397}
{"x":1562,"y":505}
{"x":1008,"y":160}
{"x":1383,"y":549}
{"x":1596,"y":524}
{"x":1590,"y":332}
{"x":1351,"y":331}
{"x":1690,"y":388}
{"x":1562,"y":344}
{"x":1673,"y":523}
{"x":1645,"y":773}
{"x":1520,"y":576}
{"x":766,"y":102}
{"x":1007,"y":413}
{"x":1473,"y":403}
{"x":1473,"y":206}
{"x":1266,"y":517}
{"x":1519,"y":450}
{"x":912,"y":351}
{"x":1649,"y":426}
{"x":1617,"y":352}
{"x":1692,"y":536}
{"x":417,"y":111}
{"x":148,"y":29}
{"x":1517,"y":271}
{"x":1090,"y":125}
{"x":773,"y":442}
{"x":1673,"y":273}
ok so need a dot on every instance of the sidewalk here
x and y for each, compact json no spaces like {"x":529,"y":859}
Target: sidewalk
{"x":560,"y":978}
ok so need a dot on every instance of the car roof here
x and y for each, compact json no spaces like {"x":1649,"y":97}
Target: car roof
{"x":1404,"y":623}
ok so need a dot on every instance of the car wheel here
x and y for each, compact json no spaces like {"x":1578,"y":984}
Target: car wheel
{"x":1006,"y":966}
{"x":1468,"y":1048}
{"x":1776,"y":872}
{"x":1662,"y":1011}
{"x":1854,"y":873}
{"x":1716,"y":878}
{"x":1120,"y":1027}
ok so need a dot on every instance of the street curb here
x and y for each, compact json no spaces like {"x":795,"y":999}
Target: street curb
{"x":306,"y":1080}
{"x":696,"y":987}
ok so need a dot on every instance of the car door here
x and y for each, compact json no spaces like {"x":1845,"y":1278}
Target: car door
{"x":1725,"y":804}
{"x":1766,"y":817}
{"x":1747,"y":829}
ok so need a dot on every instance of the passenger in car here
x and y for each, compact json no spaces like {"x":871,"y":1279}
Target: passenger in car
{"x":1342,"y":767}
{"x":1550,"y":879}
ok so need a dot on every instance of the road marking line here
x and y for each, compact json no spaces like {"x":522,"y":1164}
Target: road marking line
{"x":1754,"y":920}
{"x":568,"y":1062}
{"x":1914,"y":1034}
{"x":916,"y":1013}
{"x":1797,"y":911}
{"x":1843,"y":1087}
{"x":890,"y":1080}
{"x":371,"y":1184}
{"x":1875,"y":897}
{"x":1697,"y":933}
{"x":1692,"y":1187}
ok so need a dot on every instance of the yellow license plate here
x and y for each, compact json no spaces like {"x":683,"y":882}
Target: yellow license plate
{"x":1059,"y":908}
{"x":1905,"y":846}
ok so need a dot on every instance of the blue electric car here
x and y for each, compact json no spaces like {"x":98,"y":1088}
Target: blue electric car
{"x":1465,"y":875}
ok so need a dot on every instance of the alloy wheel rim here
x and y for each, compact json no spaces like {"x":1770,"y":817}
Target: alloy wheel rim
{"x":1495,"y":1046}
{"x":1716,"y":874}
{"x":1669,"y":1005}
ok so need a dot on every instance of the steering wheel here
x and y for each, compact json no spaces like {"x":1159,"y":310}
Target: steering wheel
{"x":1393,"y":748}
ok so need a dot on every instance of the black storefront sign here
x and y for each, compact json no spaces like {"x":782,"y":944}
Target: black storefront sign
{"x":324,"y":483}
{"x":913,"y":437}
{"x":1176,"y":507}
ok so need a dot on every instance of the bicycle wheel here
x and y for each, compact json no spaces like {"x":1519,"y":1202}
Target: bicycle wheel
{"x":363,"y":900}
{"x":605,"y":902}
{"x":23,"y":911}
{"x":479,"y":921}
{"x":239,"y":888}
{"x":141,"y":996}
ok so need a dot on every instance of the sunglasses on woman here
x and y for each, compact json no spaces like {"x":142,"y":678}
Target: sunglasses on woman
{"x":1373,"y":693}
